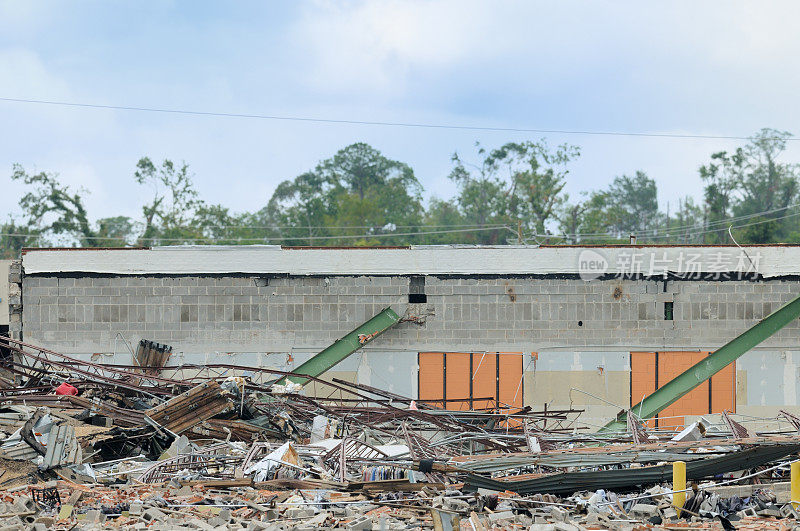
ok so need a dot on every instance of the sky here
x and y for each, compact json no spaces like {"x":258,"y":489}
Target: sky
{"x":719,"y":68}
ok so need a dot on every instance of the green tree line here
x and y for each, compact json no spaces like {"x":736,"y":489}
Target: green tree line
{"x":513,"y":193}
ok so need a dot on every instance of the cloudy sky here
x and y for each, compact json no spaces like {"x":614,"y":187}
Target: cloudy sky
{"x":705,"y":68}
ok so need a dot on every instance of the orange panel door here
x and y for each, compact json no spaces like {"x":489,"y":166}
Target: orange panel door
{"x":510,"y":379}
{"x":457,"y":380}
{"x":431,"y":377}
{"x":696,"y":402}
{"x":723,"y":390}
{"x":643,"y":378}
{"x":484,"y":380}
{"x":510,"y":396}
{"x":654,"y":369}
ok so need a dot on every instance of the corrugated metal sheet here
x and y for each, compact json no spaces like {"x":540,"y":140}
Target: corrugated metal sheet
{"x":62,"y":447}
{"x":619,"y":479}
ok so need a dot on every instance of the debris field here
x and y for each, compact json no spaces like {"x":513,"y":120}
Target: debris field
{"x":155,"y":446}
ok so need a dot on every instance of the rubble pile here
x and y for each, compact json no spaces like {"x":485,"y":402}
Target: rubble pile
{"x":90,"y":446}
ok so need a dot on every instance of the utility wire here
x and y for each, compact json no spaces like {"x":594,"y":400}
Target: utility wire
{"x":388,"y":234}
{"x":719,"y":223}
{"x":597,"y":236}
{"x":688,"y":235}
{"x":419,"y":125}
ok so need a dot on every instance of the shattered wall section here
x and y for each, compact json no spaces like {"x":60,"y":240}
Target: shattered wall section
{"x":15,"y":317}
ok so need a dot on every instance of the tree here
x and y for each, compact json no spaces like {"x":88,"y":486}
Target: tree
{"x":14,"y":237}
{"x":633,"y":205}
{"x":686,"y":224}
{"x":301,"y":206}
{"x":442,"y":216}
{"x":722,"y":177}
{"x":628,"y":206}
{"x":753,"y":184}
{"x":359,"y":167}
{"x":588,"y":220}
{"x":358,"y":196}
{"x":517,"y":183}
{"x":537,"y":175}
{"x":54,"y":208}
{"x":167,"y":216}
{"x":768,"y":187}
{"x":481,"y":199}
{"x":117,"y":231}
{"x":216,"y":225}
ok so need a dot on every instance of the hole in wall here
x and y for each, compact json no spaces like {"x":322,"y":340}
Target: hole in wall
{"x":668,"y":311}
{"x":580,"y":323}
{"x":416,"y":290}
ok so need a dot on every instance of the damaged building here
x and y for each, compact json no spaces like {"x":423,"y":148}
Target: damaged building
{"x":596,"y":328}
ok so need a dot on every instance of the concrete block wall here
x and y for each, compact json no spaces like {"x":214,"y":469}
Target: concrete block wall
{"x":561,"y":319}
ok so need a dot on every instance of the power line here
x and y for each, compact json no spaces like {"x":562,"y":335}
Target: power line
{"x":672,"y":231}
{"x":688,"y":235}
{"x":216,"y":239}
{"x":418,"y":125}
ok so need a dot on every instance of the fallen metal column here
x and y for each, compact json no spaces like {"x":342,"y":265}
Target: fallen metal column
{"x":345,"y":346}
{"x":705,"y":369}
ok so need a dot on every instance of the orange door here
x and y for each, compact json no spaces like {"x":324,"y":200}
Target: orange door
{"x":457,"y":380}
{"x":695,"y":402}
{"x":431,"y":377}
{"x":643,"y":378}
{"x":510,"y":396}
{"x":510,"y":379}
{"x":484,"y":382}
{"x":651,"y":370}
{"x":723,"y":389}
{"x":477,"y":380}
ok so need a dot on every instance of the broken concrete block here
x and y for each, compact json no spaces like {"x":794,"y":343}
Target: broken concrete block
{"x":12,"y":523}
{"x":352,"y":511}
{"x":317,"y":520}
{"x":94,"y":515}
{"x":46,"y":521}
{"x":542,"y":527}
{"x":299,"y":512}
{"x":565,"y":526}
{"x":200,"y":524}
{"x":773,"y":512}
{"x":747,"y":511}
{"x":24,"y":504}
{"x":597,"y":519}
{"x":787,"y":511}
{"x":559,"y":515}
{"x":152,"y":514}
{"x":502,"y":515}
{"x":360,"y":524}
{"x":643,"y":510}
{"x":456,"y":505}
{"x":669,"y":513}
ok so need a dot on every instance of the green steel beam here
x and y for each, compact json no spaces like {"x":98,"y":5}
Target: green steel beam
{"x":345,"y":346}
{"x":705,"y":369}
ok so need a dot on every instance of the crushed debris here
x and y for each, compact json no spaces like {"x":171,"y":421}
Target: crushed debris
{"x":217,"y":447}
